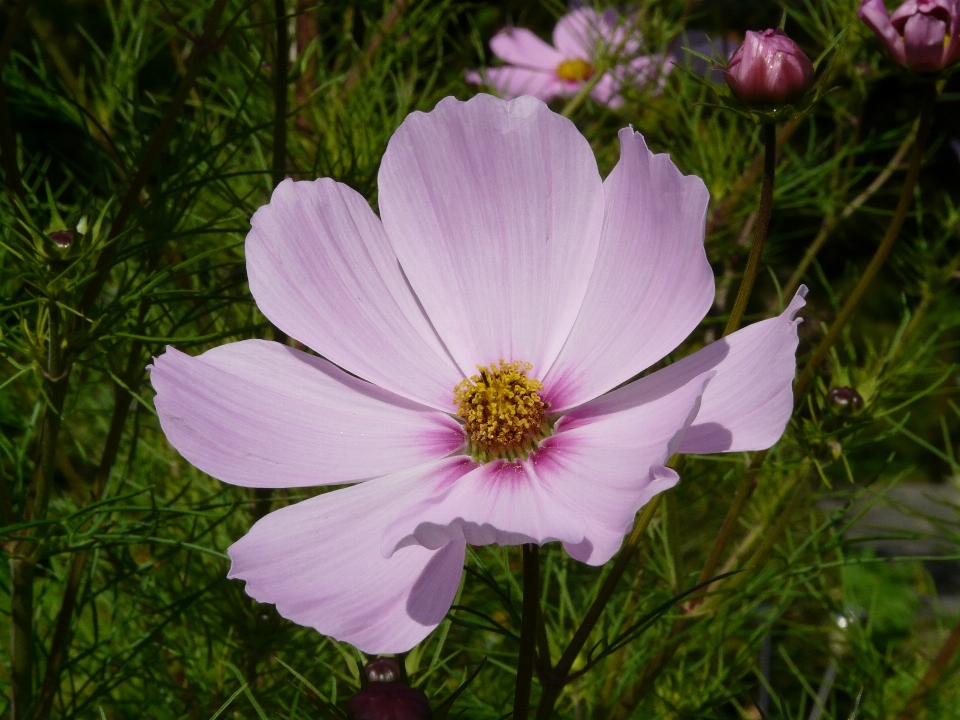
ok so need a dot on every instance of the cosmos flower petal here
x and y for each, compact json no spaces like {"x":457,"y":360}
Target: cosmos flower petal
{"x":521,"y":47}
{"x":319,"y":562}
{"x":576,"y":34}
{"x":874,"y":14}
{"x":321,"y":269}
{"x":607,"y":458}
{"x":512,"y":82}
{"x":495,"y":211}
{"x":749,"y":402}
{"x":747,"y":405}
{"x":651,"y":284}
{"x":508,"y":503}
{"x":923,"y":40}
{"x":261,"y":414}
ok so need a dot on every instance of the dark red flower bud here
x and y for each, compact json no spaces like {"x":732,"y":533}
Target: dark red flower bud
{"x":845,"y":398}
{"x":385,"y":669}
{"x":389,"y":701}
{"x":769,"y":69}
{"x":62,"y":238}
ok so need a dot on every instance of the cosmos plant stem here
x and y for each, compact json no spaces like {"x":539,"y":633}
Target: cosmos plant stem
{"x":760,"y":229}
{"x":528,"y":631}
{"x":551,"y":691}
{"x":880,"y":256}
{"x":940,"y":663}
{"x":281,"y":59}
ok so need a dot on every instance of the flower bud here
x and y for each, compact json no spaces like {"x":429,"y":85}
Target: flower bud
{"x":388,"y":701}
{"x":769,"y":69}
{"x":385,"y":669}
{"x":845,"y":398}
{"x":62,"y":238}
{"x":921,"y":34}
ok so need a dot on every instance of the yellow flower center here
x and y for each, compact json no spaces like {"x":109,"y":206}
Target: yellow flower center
{"x":574,"y":70}
{"x":502,"y":411}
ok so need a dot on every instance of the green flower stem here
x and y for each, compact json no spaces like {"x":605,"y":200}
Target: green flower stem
{"x":831,"y":223}
{"x":528,"y":630}
{"x":744,"y":490}
{"x":551,"y":690}
{"x":914,"y":707}
{"x":759,"y":230}
{"x":880,"y":256}
{"x":719,"y":216}
{"x":280,"y":58}
{"x":60,"y":642}
{"x":203,"y":50}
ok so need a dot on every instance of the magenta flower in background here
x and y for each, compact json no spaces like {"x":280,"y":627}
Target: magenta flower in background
{"x":490,"y":310}
{"x":562,"y":69}
{"x":923,"y":35}
{"x":769,"y":69}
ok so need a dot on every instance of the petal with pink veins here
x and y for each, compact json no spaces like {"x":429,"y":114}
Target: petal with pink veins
{"x":319,"y":562}
{"x":521,"y":47}
{"x":495,"y":211}
{"x":512,"y":82}
{"x":749,"y":402}
{"x":607,"y":458}
{"x":321,"y":269}
{"x":651,"y":284}
{"x":261,"y":414}
{"x":508,"y":503}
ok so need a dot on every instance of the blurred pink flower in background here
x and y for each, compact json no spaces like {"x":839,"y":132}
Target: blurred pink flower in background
{"x":923,"y":35}
{"x":769,"y":69}
{"x":580,"y":39}
{"x":505,"y":292}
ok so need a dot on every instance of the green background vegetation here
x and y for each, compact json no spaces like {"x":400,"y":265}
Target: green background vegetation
{"x":132,"y":616}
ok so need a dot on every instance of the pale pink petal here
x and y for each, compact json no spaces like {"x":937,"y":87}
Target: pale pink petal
{"x":319,"y":562}
{"x":747,"y":405}
{"x":508,"y":503}
{"x":923,"y":41}
{"x":495,"y":210}
{"x":607,"y":458}
{"x":512,"y":82}
{"x":321,"y":269}
{"x":518,"y":46}
{"x":261,"y":414}
{"x":577,"y":34}
{"x":874,"y":14}
{"x":651,"y":284}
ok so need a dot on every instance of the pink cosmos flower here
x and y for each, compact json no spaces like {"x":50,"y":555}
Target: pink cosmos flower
{"x":923,"y":35}
{"x":485,"y":319}
{"x":562,"y":69}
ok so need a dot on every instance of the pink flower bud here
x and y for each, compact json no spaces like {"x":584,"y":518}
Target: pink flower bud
{"x":921,"y":34}
{"x":388,"y":701}
{"x":62,"y":238}
{"x":769,"y":69}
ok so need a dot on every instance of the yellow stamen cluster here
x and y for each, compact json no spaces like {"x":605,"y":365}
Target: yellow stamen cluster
{"x":502,"y":411}
{"x":574,"y":70}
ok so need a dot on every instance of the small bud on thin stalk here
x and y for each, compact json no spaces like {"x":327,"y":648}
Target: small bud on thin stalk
{"x":769,"y":69}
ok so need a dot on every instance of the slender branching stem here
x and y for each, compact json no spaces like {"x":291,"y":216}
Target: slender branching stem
{"x":759,"y":229}
{"x":281,"y":59}
{"x":830,"y":223}
{"x":205,"y":47}
{"x":719,"y":216}
{"x":78,"y":563}
{"x":913,"y":708}
{"x":528,"y":631}
{"x":558,"y":676}
{"x":21,"y":637}
{"x":880,"y":256}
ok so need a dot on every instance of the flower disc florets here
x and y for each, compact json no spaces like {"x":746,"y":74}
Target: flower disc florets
{"x":502,"y":411}
{"x":574,"y":71}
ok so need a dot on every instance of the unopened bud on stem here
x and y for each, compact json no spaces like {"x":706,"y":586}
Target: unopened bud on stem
{"x":769,"y":69}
